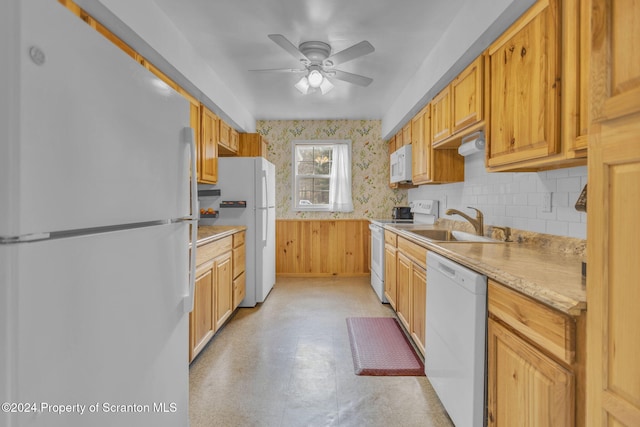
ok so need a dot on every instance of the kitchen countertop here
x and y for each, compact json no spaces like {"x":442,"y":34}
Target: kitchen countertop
{"x":551,"y":277}
{"x":209,"y":233}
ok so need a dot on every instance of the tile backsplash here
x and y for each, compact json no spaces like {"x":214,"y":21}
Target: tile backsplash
{"x":515,"y":199}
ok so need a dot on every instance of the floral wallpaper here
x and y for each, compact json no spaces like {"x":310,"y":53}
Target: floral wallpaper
{"x":372,"y":197}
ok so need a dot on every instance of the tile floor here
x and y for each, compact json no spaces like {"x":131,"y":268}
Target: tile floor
{"x":288,"y":362}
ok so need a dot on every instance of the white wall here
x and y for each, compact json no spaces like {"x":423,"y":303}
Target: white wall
{"x":515,"y":199}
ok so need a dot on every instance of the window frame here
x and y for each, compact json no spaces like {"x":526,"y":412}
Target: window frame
{"x":295,"y":177}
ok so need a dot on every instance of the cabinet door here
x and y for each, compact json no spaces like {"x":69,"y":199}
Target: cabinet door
{"x":419,"y":305}
{"x":576,"y":27}
{"x":613,"y":244}
{"x":390,"y":262}
{"x":421,"y":151}
{"x":403,"y":302}
{"x":239,"y":260}
{"x":223,"y":282}
{"x":233,"y":140}
{"x":406,"y":134}
{"x":523,"y":88}
{"x":194,"y":123}
{"x":525,"y":387}
{"x":208,"y":147}
{"x":239,"y":289}
{"x":441,"y":116}
{"x":224,"y":134}
{"x":466,"y":96}
{"x":202,"y":322}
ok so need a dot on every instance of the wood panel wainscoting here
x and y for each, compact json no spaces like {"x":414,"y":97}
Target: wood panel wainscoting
{"x":322,"y":247}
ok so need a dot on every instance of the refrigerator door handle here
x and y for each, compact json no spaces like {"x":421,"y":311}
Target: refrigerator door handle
{"x":265,"y":182}
{"x":188,"y":137}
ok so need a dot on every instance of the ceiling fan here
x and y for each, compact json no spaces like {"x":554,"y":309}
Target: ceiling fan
{"x":318,"y":63}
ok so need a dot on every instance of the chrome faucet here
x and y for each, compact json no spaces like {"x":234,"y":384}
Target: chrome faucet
{"x":477,"y":223}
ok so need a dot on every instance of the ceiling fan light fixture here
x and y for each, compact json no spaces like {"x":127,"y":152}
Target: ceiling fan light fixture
{"x":303,"y":85}
{"x":326,"y":86}
{"x":315,"y":78}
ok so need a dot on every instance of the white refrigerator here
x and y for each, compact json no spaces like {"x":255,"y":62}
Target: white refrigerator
{"x":94,"y":229}
{"x":251,"y":180}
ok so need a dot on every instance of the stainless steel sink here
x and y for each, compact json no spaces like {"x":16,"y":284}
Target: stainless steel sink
{"x":438,"y":235}
{"x":453,"y":236}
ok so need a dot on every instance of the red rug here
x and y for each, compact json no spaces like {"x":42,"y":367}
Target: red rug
{"x":380,"y":347}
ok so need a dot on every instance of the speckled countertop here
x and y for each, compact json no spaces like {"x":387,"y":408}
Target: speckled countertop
{"x":545,"y":269}
{"x":209,"y":233}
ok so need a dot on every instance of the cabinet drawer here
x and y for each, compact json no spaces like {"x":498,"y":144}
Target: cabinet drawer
{"x":239,"y":289}
{"x":238,"y":239}
{"x":417,"y":253}
{"x":544,"y":326}
{"x":238,"y":260}
{"x":211,"y":250}
{"x":391,"y":238}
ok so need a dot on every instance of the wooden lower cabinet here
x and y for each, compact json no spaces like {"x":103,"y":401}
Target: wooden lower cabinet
{"x":403,"y":283}
{"x":223,"y":271}
{"x":526,"y":388}
{"x":410,"y":284}
{"x":418,"y":305}
{"x":239,"y":280}
{"x":390,"y":265}
{"x":218,"y":291}
{"x":202,"y":324}
{"x":535,"y":362}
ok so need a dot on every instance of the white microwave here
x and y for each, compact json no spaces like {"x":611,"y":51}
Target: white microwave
{"x":400,"y":164}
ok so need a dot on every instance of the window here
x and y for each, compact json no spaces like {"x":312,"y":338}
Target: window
{"x":322,"y":175}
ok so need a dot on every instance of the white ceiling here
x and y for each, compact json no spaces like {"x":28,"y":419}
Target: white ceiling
{"x":209,"y":46}
{"x":232,"y":37}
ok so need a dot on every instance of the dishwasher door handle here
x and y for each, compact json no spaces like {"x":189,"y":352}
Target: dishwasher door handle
{"x":446,"y":270}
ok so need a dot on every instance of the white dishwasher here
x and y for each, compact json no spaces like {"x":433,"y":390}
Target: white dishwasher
{"x":455,"y":338}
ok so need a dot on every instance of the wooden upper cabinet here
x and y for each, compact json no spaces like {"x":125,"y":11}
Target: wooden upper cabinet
{"x":227,"y":139}
{"x":392,"y":144}
{"x":466,"y":96}
{"x":421,"y":143}
{"x":252,"y":145}
{"x":208,"y":150}
{"x":576,"y":25}
{"x":441,"y":116}
{"x":523,"y":73}
{"x":430,"y":166}
{"x":406,"y":134}
{"x":194,"y":123}
{"x":536,"y":89}
{"x":235,"y":140}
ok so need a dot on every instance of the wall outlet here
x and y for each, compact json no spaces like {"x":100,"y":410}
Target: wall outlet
{"x":546,"y":202}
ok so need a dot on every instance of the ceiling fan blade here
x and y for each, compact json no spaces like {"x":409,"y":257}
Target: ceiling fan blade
{"x":281,"y":70}
{"x":284,"y":43}
{"x":351,"y":78}
{"x":353,"y":52}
